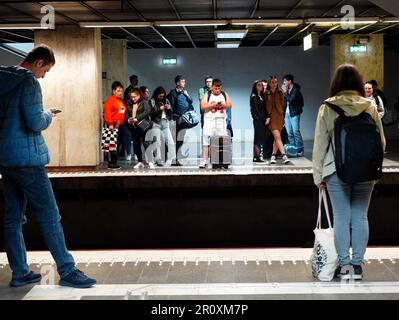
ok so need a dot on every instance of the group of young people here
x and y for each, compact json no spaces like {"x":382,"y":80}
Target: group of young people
{"x":154,"y":124}
{"x":273,"y":110}
{"x":25,"y":154}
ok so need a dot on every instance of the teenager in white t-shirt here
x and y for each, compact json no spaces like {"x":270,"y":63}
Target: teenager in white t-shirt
{"x":214,"y":105}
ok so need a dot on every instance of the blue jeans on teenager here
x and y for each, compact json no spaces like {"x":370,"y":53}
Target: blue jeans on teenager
{"x":292,"y":124}
{"x":22,"y":185}
{"x":350,"y":204}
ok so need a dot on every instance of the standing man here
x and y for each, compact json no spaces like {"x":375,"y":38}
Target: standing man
{"x":214,"y":104}
{"x":134,"y":83}
{"x":201,"y":92}
{"x":293,"y":109}
{"x":181,"y":102}
{"x":23,"y":155}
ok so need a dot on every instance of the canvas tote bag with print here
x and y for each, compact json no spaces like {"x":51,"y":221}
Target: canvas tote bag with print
{"x":324,"y":258}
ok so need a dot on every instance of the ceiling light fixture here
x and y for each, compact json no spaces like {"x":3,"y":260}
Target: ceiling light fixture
{"x":230,"y":34}
{"x":333,"y":21}
{"x":120,"y":24}
{"x":21,"y":26}
{"x":227,"y":44}
{"x":191,"y":23}
{"x":267,"y":22}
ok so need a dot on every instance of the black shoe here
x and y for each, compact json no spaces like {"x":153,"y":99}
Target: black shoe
{"x":77,"y":279}
{"x":29,"y":278}
{"x":177,"y":164}
{"x":258,"y":160}
{"x":344,"y":272}
{"x":357,"y":272}
{"x":113,"y":166}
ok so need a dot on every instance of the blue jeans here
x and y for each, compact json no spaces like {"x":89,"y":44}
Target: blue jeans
{"x":32,"y":185}
{"x":350,"y":205}
{"x":292,"y":124}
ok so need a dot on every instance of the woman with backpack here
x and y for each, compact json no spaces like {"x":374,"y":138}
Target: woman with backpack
{"x":350,"y":201}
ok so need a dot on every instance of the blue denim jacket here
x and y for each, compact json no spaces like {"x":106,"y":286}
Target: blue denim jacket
{"x":22,"y":119}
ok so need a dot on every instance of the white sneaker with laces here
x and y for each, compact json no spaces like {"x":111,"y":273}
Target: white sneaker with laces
{"x":129,"y":157}
{"x":273,"y":159}
{"x":286,"y":160}
{"x":140,"y":165}
{"x":151,"y":165}
{"x":203,"y":164}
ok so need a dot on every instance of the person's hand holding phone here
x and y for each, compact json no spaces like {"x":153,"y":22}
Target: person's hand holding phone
{"x":54,"y":111}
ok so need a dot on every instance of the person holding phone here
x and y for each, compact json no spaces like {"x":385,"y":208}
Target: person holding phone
{"x":214,"y":105}
{"x":23,"y":155}
{"x":162,"y":115}
{"x":114,"y":119}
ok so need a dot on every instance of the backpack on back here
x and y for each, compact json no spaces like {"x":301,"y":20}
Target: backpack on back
{"x":357,"y":147}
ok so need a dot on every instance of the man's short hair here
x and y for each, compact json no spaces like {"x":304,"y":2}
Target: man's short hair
{"x":216,"y":82}
{"x":133,"y":77}
{"x":289,"y":77}
{"x":116,"y":84}
{"x":41,"y":52}
{"x":178,"y":78}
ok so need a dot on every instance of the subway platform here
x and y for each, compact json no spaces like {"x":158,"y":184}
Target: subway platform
{"x":219,"y":274}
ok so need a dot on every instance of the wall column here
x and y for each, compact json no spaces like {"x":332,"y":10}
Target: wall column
{"x":74,"y":86}
{"x":114,"y":64}
{"x":370,"y":63}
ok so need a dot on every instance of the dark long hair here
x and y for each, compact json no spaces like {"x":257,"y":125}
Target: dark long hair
{"x":254,"y":90}
{"x":158,"y":91}
{"x":347,"y":77}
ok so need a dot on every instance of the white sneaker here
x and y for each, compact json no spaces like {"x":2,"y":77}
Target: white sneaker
{"x":140,"y":165}
{"x":129,"y":157}
{"x":273,"y":159}
{"x":203,"y":164}
{"x":286,"y":160}
{"x":151,"y":165}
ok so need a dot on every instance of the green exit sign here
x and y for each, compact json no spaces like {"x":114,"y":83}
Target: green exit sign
{"x":356,"y":49}
{"x":169,"y":61}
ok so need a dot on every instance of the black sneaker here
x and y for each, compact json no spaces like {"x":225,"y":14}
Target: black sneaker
{"x":177,"y":164}
{"x":77,"y":279}
{"x":258,"y":161}
{"x":344,"y":272}
{"x":29,"y":278}
{"x":113,"y":166}
{"x":357,"y":272}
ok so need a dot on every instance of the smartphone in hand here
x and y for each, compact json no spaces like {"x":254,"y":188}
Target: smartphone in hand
{"x":55,"y":110}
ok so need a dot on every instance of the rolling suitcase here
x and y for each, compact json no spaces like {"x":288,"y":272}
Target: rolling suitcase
{"x":221,"y":152}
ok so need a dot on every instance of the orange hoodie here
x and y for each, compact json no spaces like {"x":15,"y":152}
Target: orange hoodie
{"x":114,"y":111}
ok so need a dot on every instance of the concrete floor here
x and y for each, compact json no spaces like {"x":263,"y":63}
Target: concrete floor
{"x":240,"y":274}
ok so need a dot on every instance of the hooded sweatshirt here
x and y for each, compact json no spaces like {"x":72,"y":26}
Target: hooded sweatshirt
{"x":353,"y":104}
{"x":22,"y":119}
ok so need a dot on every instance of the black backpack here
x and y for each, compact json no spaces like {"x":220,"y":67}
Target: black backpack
{"x":358,"y":149}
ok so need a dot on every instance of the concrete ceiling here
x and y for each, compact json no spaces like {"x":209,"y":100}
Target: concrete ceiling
{"x":74,"y":12}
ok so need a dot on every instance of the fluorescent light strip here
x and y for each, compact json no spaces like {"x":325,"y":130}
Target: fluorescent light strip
{"x":231,"y":34}
{"x":191,"y":23}
{"x":267,"y":22}
{"x":227,"y":44}
{"x":390,"y":20}
{"x":21,"y":26}
{"x":120,"y":24}
{"x":332,"y":21}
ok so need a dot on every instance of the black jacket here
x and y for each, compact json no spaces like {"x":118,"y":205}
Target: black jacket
{"x":295,"y":100}
{"x":144,"y":111}
{"x":258,"y":108}
{"x":157,"y":112}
